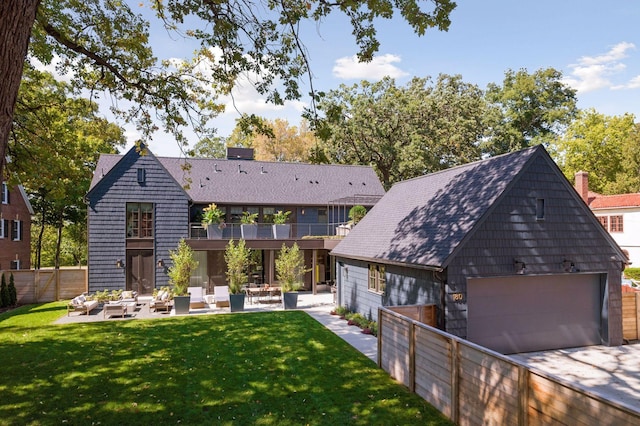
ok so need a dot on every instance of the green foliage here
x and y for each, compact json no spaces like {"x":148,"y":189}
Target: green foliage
{"x":403,"y":132}
{"x":528,"y":109}
{"x":356,"y":213}
{"x":13,"y":293}
{"x":249,"y":218}
{"x":209,"y":147}
{"x":182,"y":265}
{"x":607,"y":147}
{"x":632,"y":273}
{"x":280,"y":217}
{"x":237,"y":257}
{"x":212,"y":214}
{"x":290,"y":268}
{"x":4,"y":293}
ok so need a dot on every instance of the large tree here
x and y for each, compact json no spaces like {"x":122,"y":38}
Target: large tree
{"x":105,"y":46}
{"x":528,"y":109}
{"x":403,"y":132}
{"x":55,"y":144}
{"x":607,"y":147}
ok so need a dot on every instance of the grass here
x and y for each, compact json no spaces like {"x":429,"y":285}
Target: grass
{"x":263,"y":368}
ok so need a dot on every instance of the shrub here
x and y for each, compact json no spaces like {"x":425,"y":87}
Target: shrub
{"x":4,"y":293}
{"x":290,"y":268}
{"x":237,"y":258}
{"x":183,"y":264}
{"x":632,"y":273}
{"x":13,"y":293}
{"x":357,"y":213}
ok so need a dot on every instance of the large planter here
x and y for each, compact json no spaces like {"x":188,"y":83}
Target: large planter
{"x":249,"y":231}
{"x":281,"y":232}
{"x":290,"y":300}
{"x":214,"y":232}
{"x":181,"y":304}
{"x":236,"y":302}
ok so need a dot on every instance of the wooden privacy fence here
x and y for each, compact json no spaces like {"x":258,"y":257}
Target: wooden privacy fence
{"x":48,"y":285}
{"x":630,"y":315}
{"x":473,"y":385}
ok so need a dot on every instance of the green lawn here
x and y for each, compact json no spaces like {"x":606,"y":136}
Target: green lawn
{"x":268,"y":368}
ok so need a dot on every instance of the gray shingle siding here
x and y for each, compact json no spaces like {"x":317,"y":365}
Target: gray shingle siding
{"x":404,"y":286}
{"x":107,"y":218}
{"x":513,"y":232}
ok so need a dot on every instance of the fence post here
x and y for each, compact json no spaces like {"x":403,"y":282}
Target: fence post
{"x":380,"y":337}
{"x":412,"y":357}
{"x":455,"y":381}
{"x":523,"y":391}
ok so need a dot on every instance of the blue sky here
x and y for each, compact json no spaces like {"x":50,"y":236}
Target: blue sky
{"x":595,"y":44}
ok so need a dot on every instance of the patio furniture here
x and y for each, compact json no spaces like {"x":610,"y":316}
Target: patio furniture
{"x":161,"y":302}
{"x":81,"y":304}
{"x":129,"y":297}
{"x":221,"y":295}
{"x":197,"y":297}
{"x":114,"y":308}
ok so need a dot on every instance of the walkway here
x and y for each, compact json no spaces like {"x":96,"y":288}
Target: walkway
{"x":318,"y":306}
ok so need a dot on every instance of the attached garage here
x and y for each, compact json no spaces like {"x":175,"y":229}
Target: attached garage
{"x":532,"y":313}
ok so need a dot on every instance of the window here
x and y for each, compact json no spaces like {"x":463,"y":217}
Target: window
{"x":139,"y":220}
{"x":142,"y":176}
{"x":604,"y":220}
{"x":616,"y":224}
{"x":15,"y":264}
{"x":377,"y":281}
{"x":268,"y":212}
{"x":540,"y":209}
{"x":322,"y":216}
{"x":235,"y":214}
{"x":5,"y":193}
{"x":4,"y":224}
{"x":16,"y":230}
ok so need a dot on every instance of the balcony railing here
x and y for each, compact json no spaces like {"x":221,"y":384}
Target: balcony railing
{"x":265,"y":231}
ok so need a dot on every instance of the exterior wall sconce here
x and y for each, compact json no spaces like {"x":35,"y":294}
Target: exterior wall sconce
{"x":119,"y":263}
{"x":520,"y":267}
{"x":302,"y":212}
{"x":569,"y":266}
{"x":160,"y":263}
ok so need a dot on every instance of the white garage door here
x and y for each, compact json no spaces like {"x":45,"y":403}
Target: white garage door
{"x":532,"y":313}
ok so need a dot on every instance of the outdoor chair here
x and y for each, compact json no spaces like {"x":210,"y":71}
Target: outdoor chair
{"x":160,"y":302}
{"x":221,"y":295}
{"x":197,"y":297}
{"x":128,"y":297}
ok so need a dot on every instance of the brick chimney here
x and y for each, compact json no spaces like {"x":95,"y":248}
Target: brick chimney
{"x":582,"y":185}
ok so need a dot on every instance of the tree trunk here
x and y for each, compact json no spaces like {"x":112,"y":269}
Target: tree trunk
{"x":16,"y":21}
{"x":59,"y":243}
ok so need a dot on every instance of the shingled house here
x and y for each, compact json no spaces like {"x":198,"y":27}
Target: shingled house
{"x":15,"y":228}
{"x":505,"y":248}
{"x":141,"y":205}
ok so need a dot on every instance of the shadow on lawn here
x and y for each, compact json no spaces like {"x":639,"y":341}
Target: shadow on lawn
{"x":266,"y":368}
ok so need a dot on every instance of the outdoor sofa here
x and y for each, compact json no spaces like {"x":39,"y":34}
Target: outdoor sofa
{"x":81,"y":304}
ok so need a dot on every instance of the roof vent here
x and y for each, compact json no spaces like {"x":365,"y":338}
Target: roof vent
{"x":262,"y":171}
{"x":215,"y":168}
{"x":240,"y":169}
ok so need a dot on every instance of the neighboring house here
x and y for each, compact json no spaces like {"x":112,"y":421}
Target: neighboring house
{"x":619,"y":214}
{"x":15,"y":228}
{"x":505,"y":249}
{"x":140,"y":206}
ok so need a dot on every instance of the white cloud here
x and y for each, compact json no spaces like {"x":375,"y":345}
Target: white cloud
{"x":594,"y":72}
{"x":350,"y":68}
{"x":51,"y":68}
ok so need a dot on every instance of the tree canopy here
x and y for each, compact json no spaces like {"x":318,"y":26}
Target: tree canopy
{"x":403,"y":131}
{"x":105,"y":46}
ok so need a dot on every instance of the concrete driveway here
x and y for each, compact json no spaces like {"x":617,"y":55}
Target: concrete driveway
{"x":612,"y":372}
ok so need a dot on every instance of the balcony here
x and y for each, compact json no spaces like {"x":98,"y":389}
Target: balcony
{"x":265,"y":231}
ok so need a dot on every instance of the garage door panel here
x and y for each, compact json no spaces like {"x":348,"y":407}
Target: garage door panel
{"x":529,"y":313}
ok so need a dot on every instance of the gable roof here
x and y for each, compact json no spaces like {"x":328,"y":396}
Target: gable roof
{"x":597,"y":201}
{"x":261,"y":182}
{"x":423,"y":221}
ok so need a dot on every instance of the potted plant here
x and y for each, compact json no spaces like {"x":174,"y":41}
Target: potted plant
{"x":248,"y":226}
{"x":290,"y":273}
{"x":281,"y":228}
{"x":237,"y":258}
{"x":183,"y":264}
{"x":213,"y":221}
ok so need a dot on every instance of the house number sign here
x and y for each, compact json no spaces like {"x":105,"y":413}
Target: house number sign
{"x":458,"y":297}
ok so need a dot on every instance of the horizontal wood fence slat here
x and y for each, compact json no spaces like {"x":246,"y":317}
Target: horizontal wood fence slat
{"x":473,"y":385}
{"x":48,"y":285}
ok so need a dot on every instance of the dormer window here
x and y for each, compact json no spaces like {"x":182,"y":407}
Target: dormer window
{"x":540,"y":209}
{"x":142,"y":176}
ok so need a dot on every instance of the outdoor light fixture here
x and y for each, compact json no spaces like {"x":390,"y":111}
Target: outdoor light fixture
{"x":520,"y":267}
{"x":160,"y":263}
{"x":119,"y":263}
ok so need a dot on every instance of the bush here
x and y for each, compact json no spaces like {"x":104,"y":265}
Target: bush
{"x":4,"y":293}
{"x":632,"y":273}
{"x":183,"y":264}
{"x":13,"y":293}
